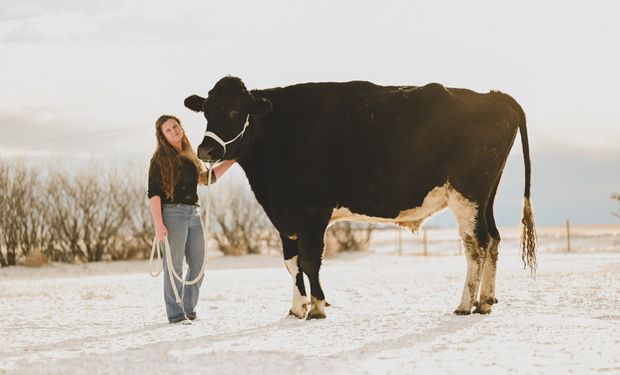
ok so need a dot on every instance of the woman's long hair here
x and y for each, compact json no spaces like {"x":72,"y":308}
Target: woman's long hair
{"x":168,"y":159}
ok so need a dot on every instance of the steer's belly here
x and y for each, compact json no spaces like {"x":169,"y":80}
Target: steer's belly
{"x":435,"y":201}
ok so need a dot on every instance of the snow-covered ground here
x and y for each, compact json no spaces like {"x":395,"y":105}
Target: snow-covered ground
{"x":390,"y":314}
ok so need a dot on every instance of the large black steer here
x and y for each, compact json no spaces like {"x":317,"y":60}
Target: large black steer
{"x":315,"y":153}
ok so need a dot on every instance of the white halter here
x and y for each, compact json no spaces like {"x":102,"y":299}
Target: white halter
{"x":221,"y":142}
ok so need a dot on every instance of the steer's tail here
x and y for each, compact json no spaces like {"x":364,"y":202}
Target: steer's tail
{"x":528,"y":228}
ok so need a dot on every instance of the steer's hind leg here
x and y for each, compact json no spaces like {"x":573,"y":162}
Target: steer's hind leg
{"x":475,"y":236}
{"x":311,"y":245}
{"x":487,"y":284}
{"x":290,"y":250}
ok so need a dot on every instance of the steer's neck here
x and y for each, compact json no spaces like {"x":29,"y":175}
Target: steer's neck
{"x":263,"y":148}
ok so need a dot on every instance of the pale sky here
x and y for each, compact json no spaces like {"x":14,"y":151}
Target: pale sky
{"x":91,"y":77}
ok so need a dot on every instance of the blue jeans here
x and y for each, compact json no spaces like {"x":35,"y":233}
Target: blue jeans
{"x":186,"y":237}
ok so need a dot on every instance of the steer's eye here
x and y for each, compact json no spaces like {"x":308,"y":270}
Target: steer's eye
{"x":233,"y":114}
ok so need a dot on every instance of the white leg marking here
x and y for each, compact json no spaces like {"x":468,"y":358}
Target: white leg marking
{"x":489,"y":272}
{"x":465,"y":212}
{"x":300,"y":303}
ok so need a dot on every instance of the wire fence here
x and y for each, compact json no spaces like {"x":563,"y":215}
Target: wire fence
{"x":437,"y":241}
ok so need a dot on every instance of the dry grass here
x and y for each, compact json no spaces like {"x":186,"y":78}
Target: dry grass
{"x":36,"y":259}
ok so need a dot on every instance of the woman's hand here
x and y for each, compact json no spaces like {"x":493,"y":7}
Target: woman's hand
{"x":203,"y":177}
{"x":161,"y":232}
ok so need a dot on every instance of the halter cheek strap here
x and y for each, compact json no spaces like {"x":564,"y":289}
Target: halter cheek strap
{"x":219,"y":140}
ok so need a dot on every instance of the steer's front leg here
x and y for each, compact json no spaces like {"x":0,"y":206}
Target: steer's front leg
{"x":290,"y":249}
{"x":311,"y":245}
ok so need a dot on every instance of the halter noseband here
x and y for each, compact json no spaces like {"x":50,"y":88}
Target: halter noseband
{"x":221,"y":142}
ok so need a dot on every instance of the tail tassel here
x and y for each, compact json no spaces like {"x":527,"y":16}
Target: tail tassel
{"x":528,"y":237}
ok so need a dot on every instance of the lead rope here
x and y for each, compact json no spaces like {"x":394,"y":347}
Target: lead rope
{"x":171,"y":272}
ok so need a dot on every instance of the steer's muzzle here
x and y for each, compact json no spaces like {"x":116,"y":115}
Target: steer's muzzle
{"x":205,"y":153}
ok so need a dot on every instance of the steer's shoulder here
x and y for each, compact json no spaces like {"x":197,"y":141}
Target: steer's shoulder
{"x":430,"y":89}
{"x":434,"y":86}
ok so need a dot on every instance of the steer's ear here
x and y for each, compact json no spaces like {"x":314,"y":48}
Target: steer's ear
{"x":194,"y":103}
{"x":261,"y":106}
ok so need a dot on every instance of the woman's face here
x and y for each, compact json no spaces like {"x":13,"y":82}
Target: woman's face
{"x":172,"y":132}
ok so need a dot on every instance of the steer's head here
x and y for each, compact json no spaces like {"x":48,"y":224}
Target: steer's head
{"x":227,"y":108}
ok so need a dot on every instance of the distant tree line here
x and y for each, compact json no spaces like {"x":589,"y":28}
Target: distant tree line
{"x":91,"y":214}
{"x":616,"y":197}
{"x":100,"y":211}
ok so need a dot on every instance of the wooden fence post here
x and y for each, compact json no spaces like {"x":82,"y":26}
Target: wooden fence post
{"x":425,"y":242}
{"x":399,"y":241}
{"x":568,"y":236}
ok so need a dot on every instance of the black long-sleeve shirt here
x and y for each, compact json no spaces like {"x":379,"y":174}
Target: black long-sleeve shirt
{"x":185,"y":188}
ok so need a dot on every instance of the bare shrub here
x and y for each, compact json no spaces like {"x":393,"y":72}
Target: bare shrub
{"x":140,"y":223}
{"x":238,"y":223}
{"x":30,"y":211}
{"x":347,"y":236}
{"x":13,"y":194}
{"x":89,"y":212}
{"x":64,"y":219}
{"x":4,"y":217}
{"x":116,"y":206}
{"x":22,"y":225}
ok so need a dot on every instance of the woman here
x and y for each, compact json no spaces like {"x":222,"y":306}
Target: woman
{"x":174,"y":173}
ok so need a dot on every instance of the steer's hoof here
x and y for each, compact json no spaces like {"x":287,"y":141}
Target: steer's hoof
{"x":317,"y":308}
{"x":461,"y":312}
{"x":316,"y":314}
{"x":484,"y":309}
{"x":299,"y":312}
